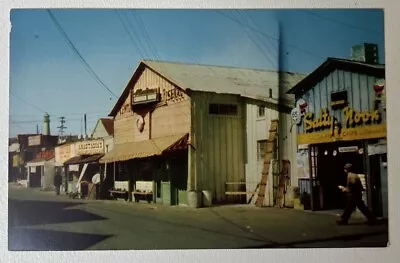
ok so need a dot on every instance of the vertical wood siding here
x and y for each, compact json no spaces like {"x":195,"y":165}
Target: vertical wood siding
{"x":257,"y":128}
{"x":360,"y":92}
{"x":219,"y":144}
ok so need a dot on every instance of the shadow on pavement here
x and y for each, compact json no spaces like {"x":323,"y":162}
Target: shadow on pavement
{"x":28,"y":213}
{"x":39,"y":240}
{"x":382,"y":242}
{"x":25,"y":213}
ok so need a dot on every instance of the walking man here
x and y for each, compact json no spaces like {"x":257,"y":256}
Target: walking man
{"x":353,"y":192}
{"x":57,"y":183}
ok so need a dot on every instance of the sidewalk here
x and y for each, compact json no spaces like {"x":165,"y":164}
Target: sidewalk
{"x":64,"y":197}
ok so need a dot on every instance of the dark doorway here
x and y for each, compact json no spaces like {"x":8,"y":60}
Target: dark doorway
{"x":331,"y":160}
{"x":35,"y":179}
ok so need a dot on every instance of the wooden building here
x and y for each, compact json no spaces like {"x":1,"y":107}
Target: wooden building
{"x":259,"y":113}
{"x":81,"y":167}
{"x":341,"y":113}
{"x":29,"y":146}
{"x":104,"y":129}
{"x":180,"y":129}
{"x":41,"y":171}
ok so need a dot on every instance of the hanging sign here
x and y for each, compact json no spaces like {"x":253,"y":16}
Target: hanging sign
{"x":348,"y":149}
{"x":146,"y":96}
{"x":296,"y":115}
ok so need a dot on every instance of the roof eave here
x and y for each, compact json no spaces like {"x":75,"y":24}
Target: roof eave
{"x":124,"y":94}
{"x":328,"y":66}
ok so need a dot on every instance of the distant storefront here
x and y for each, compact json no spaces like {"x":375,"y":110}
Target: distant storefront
{"x":341,"y":116}
{"x":41,"y":171}
{"x":80,"y":169}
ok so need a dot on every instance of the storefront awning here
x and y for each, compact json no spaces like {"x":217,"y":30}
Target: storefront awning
{"x":148,"y":148}
{"x":83,"y":159}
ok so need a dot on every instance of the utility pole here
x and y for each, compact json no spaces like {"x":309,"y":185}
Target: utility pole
{"x":84,"y":117}
{"x":62,"y":127}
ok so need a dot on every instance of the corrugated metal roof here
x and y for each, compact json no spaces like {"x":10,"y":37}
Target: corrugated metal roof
{"x":142,"y":149}
{"x":249,"y":83}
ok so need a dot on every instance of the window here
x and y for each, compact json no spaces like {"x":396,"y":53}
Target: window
{"x":261,"y":111}
{"x":339,"y":99}
{"x":223,"y":109}
{"x":261,"y":149}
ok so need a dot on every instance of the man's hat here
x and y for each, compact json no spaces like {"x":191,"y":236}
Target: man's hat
{"x":348,"y":166}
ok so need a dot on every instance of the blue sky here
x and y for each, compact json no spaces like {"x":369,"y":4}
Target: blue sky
{"x":47,"y":76}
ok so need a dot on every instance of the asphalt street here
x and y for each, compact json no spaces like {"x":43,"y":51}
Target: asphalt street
{"x":43,"y":221}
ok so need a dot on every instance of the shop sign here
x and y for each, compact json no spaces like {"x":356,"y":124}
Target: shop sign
{"x":74,"y":168}
{"x":63,"y":153}
{"x":348,"y":149}
{"x":347,"y":134}
{"x":173,"y":95}
{"x":326,"y":121}
{"x":339,"y":99}
{"x":34,"y":140}
{"x":90,"y":147}
{"x":351,"y":119}
{"x":146,"y":96}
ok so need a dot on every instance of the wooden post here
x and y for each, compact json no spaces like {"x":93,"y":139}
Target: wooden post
{"x":114,"y":175}
{"x":28,"y":183}
{"x":129,"y":181}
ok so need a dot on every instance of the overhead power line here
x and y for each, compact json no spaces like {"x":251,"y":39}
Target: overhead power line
{"x":342,"y":23}
{"x":273,"y":63}
{"x":125,"y":24}
{"x":78,"y":54}
{"x":28,"y":103}
{"x":269,"y":36}
{"x":147,"y":38}
{"x":62,"y":113}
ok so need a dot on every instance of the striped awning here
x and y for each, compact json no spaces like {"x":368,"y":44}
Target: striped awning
{"x":143,"y":149}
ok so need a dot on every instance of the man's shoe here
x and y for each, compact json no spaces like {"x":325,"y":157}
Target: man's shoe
{"x":341,"y":222}
{"x":373,"y":222}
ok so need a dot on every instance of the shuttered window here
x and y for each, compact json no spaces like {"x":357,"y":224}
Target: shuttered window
{"x":223,"y":109}
{"x":261,"y":111}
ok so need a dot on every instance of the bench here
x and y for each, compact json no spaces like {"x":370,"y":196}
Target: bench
{"x":120,"y":190}
{"x":143,"y":191}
